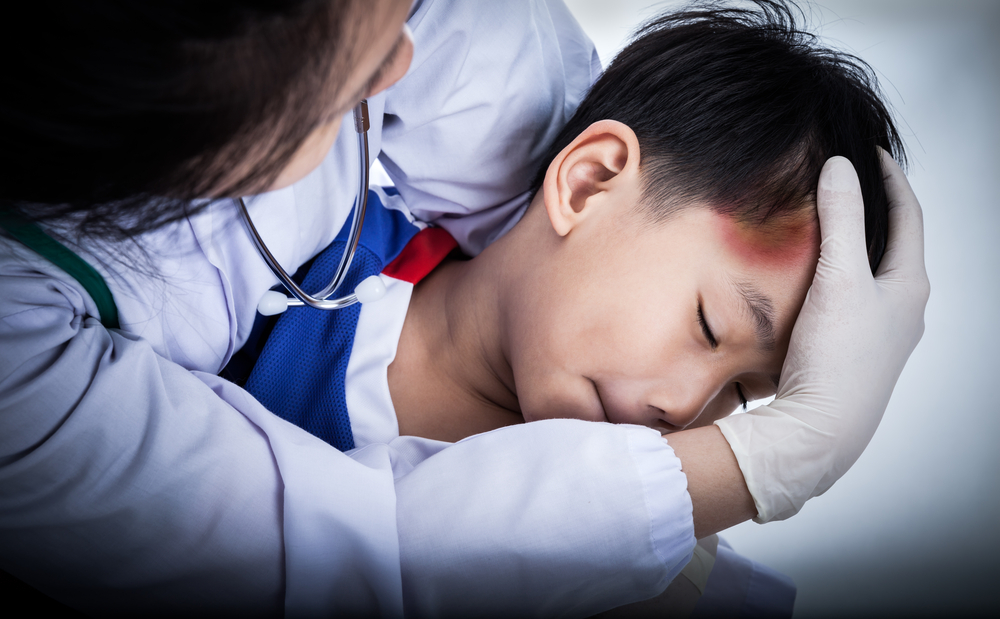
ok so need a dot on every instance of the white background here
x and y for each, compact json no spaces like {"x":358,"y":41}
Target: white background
{"x":913,"y":527}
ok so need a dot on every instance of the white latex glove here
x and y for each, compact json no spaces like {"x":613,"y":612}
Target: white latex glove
{"x":848,"y":347}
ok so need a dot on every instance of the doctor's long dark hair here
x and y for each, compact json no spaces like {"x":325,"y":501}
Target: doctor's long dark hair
{"x":740,"y":109}
{"x":115,"y":114}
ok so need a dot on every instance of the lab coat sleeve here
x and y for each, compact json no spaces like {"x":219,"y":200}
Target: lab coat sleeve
{"x":125,"y":483}
{"x":490,"y":86}
{"x":129,"y":484}
{"x":548,"y":519}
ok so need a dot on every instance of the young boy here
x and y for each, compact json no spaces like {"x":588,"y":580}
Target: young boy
{"x":654,"y":279}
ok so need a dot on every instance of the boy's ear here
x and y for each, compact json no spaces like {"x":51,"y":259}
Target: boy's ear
{"x":605,"y":156}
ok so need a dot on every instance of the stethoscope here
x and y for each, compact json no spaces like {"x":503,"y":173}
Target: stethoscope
{"x":370,"y":289}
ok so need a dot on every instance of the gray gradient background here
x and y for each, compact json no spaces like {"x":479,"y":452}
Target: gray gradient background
{"x":912,"y":528}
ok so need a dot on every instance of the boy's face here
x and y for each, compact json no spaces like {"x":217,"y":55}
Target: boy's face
{"x":660,"y":325}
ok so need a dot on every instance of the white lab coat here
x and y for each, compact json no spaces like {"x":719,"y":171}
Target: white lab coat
{"x":133,"y":478}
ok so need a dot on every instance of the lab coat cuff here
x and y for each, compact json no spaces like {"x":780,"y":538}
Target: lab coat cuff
{"x":671,"y":520}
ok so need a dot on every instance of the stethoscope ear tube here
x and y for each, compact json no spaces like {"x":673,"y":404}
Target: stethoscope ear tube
{"x":368,"y":290}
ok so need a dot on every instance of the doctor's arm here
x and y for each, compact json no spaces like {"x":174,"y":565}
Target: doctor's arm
{"x":129,"y":484}
{"x":848,"y":348}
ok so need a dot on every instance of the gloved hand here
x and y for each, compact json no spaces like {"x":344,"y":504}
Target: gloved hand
{"x":848,"y":347}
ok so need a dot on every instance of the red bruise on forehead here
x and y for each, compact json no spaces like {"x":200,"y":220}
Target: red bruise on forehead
{"x":780,"y":243}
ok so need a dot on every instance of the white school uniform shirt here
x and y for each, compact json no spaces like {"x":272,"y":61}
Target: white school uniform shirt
{"x":133,"y":478}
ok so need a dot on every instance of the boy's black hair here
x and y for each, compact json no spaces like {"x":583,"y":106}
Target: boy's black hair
{"x":740,"y":109}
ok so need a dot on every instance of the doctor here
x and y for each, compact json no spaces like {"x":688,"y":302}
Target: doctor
{"x":134,"y":479}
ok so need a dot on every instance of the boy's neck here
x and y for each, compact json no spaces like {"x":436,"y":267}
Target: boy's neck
{"x":450,"y":377}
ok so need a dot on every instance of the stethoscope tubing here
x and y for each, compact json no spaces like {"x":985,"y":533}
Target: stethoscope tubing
{"x":321,"y":300}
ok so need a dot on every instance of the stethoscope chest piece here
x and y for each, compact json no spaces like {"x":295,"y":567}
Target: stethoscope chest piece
{"x":371,"y":289}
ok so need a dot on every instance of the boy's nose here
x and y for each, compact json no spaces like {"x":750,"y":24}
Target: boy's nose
{"x":683,"y":404}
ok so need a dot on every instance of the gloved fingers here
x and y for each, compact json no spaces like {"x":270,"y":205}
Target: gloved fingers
{"x":904,"y":254}
{"x":841,"y":217}
{"x":847,"y":349}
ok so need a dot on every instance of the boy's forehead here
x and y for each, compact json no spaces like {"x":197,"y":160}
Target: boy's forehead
{"x":776,"y":244}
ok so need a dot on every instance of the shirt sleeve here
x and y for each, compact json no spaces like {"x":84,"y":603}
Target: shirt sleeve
{"x":463,"y":148}
{"x":556,"y":518}
{"x":130,"y":484}
{"x":125,"y":482}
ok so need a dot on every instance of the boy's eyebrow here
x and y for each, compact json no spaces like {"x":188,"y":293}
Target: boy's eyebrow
{"x":762,"y":311}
